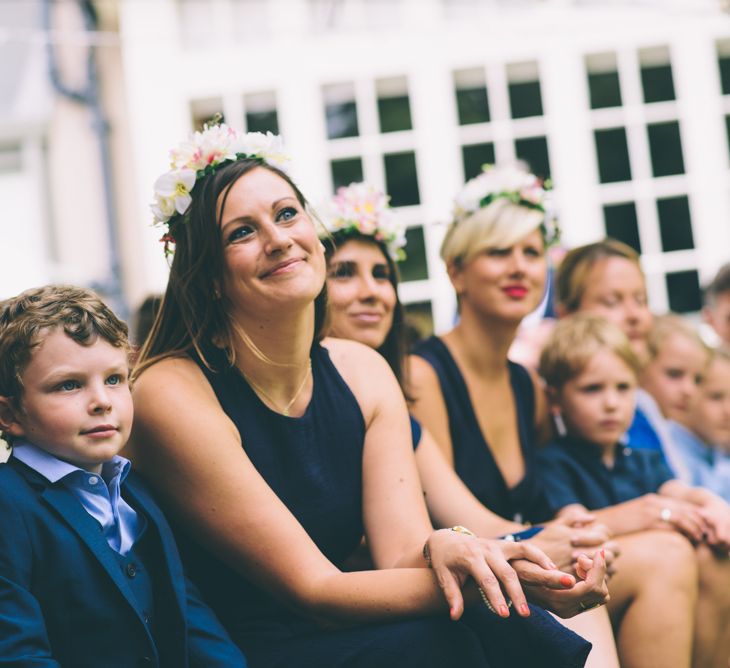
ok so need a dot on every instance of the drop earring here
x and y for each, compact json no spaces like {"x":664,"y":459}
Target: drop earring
{"x":559,"y":424}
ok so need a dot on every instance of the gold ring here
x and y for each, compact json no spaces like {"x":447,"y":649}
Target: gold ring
{"x":585,"y":607}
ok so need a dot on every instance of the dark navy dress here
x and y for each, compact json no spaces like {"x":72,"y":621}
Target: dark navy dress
{"x":473,"y":459}
{"x":314,"y":465}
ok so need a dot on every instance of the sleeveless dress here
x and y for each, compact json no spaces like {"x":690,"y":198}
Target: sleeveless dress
{"x":473,"y":459}
{"x":314,"y":465}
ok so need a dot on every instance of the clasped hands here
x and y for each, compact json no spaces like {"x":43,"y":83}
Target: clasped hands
{"x":513,"y":572}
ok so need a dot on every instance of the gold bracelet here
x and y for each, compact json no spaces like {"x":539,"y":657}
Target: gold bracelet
{"x":458,"y":529}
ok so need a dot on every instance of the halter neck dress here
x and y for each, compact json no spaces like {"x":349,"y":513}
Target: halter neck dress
{"x":313,"y":463}
{"x":473,"y":458}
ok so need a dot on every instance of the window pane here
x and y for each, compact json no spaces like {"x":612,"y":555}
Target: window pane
{"x":394,"y":108}
{"x":394,"y":114}
{"x":261,"y":113}
{"x":724,"y":63}
{"x":414,"y":267}
{"x":666,"y":148}
{"x":612,"y":151}
{"x":11,"y":158}
{"x":657,"y":83}
{"x":401,"y":178}
{"x":345,"y":172}
{"x":474,"y":156}
{"x":340,"y":110}
{"x":534,"y":151}
{"x":683,"y":290}
{"x":604,"y":89}
{"x":472,"y":105}
{"x":622,"y":223}
{"x":525,"y":99}
{"x":341,"y":120}
{"x":262,"y":121}
{"x":675,"y":224}
{"x":203,"y":111}
{"x":419,"y":322}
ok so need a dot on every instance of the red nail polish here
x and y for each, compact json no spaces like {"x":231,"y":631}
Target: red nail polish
{"x":503,"y":611}
{"x":525,"y":609}
{"x":566,"y":581}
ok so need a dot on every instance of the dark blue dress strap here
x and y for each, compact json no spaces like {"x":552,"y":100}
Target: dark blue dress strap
{"x":473,"y":458}
{"x":415,"y":432}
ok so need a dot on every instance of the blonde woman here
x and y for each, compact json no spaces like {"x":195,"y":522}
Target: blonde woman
{"x":489,"y":414}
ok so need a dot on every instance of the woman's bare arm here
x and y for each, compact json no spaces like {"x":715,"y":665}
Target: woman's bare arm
{"x":210,"y":484}
{"x":428,"y":405}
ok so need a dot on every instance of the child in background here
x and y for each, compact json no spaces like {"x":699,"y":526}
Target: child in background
{"x":89,"y":572}
{"x":677,"y":359}
{"x":716,"y":311}
{"x":591,"y":372}
{"x":702,"y":439}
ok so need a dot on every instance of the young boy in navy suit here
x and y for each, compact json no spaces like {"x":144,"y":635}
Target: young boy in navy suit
{"x":89,"y":571}
{"x":591,"y":374}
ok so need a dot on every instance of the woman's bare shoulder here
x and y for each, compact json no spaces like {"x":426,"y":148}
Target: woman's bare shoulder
{"x":353,"y":358}
{"x":169,"y":388}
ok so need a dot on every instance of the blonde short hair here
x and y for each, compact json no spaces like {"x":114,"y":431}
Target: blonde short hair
{"x":500,"y":224}
{"x":667,"y":325}
{"x":570,"y":280}
{"x":575,"y":340}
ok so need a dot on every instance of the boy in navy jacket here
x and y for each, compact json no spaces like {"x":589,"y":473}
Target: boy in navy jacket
{"x":89,"y":571}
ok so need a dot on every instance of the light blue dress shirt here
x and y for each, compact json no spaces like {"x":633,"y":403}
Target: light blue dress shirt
{"x":98,"y":494}
{"x":707,"y":465}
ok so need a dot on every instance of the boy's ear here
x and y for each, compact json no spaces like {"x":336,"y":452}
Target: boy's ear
{"x":9,"y":422}
{"x":553,"y":397}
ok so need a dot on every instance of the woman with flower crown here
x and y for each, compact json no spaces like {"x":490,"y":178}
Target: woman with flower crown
{"x":281,"y":449}
{"x":487,"y":413}
{"x":363,"y":240}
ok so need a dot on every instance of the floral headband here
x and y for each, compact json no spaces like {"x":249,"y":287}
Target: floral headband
{"x":513,"y":184}
{"x":201,"y":155}
{"x":361,"y":208}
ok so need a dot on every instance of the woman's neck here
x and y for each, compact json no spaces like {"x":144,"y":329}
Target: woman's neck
{"x":274,"y":350}
{"x":483,"y":342}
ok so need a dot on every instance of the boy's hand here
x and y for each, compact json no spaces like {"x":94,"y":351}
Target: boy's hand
{"x":717,"y":516}
{"x":665,"y":512}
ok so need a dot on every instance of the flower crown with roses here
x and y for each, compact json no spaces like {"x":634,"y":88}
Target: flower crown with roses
{"x":201,"y":155}
{"x":363,"y":209}
{"x":513,"y":184}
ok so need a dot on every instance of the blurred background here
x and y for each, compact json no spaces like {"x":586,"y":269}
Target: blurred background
{"x":624,"y":105}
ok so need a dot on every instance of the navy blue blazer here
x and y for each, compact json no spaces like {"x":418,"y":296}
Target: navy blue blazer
{"x":64,"y":600}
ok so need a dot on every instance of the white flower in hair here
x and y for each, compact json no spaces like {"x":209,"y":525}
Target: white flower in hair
{"x":258,"y":144}
{"x":511,"y":183}
{"x":199,"y":156}
{"x":172,"y":192}
{"x":361,"y":208}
